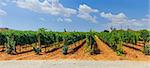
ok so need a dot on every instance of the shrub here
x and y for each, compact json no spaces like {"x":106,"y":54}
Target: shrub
{"x":10,"y":45}
{"x":36,"y":50}
{"x":147,"y":49}
{"x":145,"y":35}
{"x":65,"y":50}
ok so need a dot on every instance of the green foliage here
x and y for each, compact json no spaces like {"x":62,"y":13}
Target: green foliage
{"x":116,"y":38}
{"x":71,"y":38}
{"x":147,"y":49}
{"x":36,"y":50}
{"x":2,"y":39}
{"x":113,"y":39}
{"x":145,"y":35}
{"x":42,"y":37}
{"x":119,"y":50}
{"x":10,"y":44}
{"x":65,"y":49}
{"x":90,"y":43}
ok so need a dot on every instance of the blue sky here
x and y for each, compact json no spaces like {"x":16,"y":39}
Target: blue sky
{"x":79,"y":15}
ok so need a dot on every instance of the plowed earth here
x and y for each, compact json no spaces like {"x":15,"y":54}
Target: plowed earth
{"x":77,"y":52}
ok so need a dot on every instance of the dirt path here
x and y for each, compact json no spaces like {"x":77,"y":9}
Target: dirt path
{"x":5,"y":56}
{"x":136,"y":47}
{"x":106,"y":51}
{"x":80,"y":54}
{"x":140,"y":43}
{"x":133,"y":54}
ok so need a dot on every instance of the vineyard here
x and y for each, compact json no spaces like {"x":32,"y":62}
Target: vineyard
{"x":43,"y":44}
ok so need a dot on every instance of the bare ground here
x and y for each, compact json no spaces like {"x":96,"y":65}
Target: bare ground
{"x":77,"y":52}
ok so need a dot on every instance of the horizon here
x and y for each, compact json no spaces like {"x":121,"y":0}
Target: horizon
{"x":75,"y":15}
{"x":75,"y":30}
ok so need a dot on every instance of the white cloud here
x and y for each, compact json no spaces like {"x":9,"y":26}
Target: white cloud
{"x":118,"y":18}
{"x":42,"y":19}
{"x":2,"y":13}
{"x":67,"y":20}
{"x":139,"y":22}
{"x":64,"y":20}
{"x":122,"y":19}
{"x":85,"y":13}
{"x":52,"y":7}
{"x":59,"y":20}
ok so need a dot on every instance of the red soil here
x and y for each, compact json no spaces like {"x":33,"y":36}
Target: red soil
{"x":133,"y":54}
{"x":77,"y":52}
